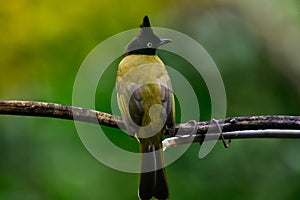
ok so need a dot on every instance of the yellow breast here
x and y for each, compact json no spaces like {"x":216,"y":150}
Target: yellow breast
{"x":133,"y":61}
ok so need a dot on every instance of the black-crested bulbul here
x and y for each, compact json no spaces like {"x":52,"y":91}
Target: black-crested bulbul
{"x":146,"y":102}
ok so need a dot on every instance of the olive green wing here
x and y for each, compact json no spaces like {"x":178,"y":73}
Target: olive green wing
{"x":130,"y":105}
{"x":168,"y":103}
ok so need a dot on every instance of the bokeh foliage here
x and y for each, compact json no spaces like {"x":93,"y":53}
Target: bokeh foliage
{"x":42,"y":44}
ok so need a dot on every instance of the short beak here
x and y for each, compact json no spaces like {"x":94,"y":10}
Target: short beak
{"x":164,"y":41}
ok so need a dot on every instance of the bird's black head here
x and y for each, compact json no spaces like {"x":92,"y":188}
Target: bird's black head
{"x":146,"y":42}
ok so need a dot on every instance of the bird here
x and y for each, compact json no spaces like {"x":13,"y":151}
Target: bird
{"x":146,"y":103}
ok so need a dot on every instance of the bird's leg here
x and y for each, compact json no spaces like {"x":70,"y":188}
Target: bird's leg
{"x":226,"y":145}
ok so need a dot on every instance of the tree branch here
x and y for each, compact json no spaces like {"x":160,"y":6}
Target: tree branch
{"x":53,"y":110}
{"x":268,"y":133}
{"x":233,"y":127}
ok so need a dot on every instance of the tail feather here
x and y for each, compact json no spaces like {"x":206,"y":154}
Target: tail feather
{"x":161,"y":190}
{"x":152,"y":183}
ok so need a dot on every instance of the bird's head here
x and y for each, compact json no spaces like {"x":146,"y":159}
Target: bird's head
{"x":146,"y":42}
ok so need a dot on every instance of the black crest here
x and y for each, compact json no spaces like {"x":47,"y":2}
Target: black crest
{"x":146,"y":42}
{"x":146,"y":22}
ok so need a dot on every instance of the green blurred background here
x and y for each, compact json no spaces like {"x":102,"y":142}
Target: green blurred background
{"x":255,"y":45}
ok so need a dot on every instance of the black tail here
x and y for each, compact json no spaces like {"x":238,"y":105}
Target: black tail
{"x":152,"y":183}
